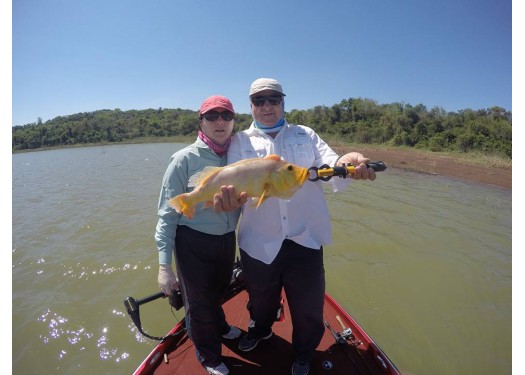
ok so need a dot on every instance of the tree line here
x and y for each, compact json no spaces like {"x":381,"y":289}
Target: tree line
{"x":353,"y":121}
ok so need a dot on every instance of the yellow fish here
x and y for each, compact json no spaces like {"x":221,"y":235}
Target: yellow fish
{"x":258,"y":177}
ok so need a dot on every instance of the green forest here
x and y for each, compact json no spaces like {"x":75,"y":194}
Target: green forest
{"x":352,"y":121}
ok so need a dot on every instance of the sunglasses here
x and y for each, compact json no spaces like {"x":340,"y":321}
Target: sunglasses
{"x":214,"y":115}
{"x":259,"y":101}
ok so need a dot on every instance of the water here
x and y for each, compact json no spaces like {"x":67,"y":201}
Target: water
{"x":423,"y":263}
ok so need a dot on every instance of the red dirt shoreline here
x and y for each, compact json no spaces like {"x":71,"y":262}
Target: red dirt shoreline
{"x":435,"y":164}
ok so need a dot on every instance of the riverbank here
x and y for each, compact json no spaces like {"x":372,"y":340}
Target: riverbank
{"x":438,"y":164}
{"x":464,"y":167}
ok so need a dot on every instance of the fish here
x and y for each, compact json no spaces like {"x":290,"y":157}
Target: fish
{"x":260,"y":178}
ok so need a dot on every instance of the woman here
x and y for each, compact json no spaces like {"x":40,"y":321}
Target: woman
{"x":204,"y":246}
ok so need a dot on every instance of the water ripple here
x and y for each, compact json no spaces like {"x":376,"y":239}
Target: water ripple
{"x":413,"y":256}
{"x":78,"y":337}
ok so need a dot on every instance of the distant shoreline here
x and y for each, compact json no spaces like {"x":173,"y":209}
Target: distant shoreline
{"x":465,"y":168}
{"x":437,"y":164}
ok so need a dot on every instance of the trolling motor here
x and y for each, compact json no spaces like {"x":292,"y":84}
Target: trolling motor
{"x":133,"y":308}
{"x":325,"y":172}
{"x":237,"y":284}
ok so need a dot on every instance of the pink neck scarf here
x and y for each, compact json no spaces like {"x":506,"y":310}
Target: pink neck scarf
{"x":219,"y":150}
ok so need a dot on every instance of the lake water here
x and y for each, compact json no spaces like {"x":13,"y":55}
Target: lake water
{"x":423,"y":263}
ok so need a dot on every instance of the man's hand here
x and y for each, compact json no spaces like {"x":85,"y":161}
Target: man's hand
{"x":359,"y":161}
{"x":227,"y":200}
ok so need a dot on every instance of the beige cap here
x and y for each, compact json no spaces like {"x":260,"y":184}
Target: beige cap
{"x":262,"y":84}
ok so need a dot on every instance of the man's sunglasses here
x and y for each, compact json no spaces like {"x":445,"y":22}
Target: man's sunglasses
{"x":259,"y":101}
{"x":214,"y":115}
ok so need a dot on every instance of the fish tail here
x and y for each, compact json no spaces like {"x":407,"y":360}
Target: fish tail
{"x":181,"y":204}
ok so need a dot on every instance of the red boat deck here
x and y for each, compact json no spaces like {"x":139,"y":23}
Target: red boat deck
{"x":275,"y":356}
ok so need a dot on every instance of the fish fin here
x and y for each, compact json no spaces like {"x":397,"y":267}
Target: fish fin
{"x":181,"y":205}
{"x":208,"y":204}
{"x":202,"y":177}
{"x":263,"y":195}
{"x":273,"y":157}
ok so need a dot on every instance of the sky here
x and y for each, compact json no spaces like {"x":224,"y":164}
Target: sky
{"x":71,"y":56}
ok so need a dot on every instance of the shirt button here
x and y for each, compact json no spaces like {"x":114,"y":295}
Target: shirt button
{"x":284,"y":217}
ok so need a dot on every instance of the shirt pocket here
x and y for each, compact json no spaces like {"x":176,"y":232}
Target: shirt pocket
{"x":253,"y":152}
{"x":300,"y":149}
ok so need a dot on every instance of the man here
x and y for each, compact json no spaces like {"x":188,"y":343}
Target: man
{"x":281,"y":241}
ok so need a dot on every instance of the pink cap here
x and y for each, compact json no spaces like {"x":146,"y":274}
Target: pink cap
{"x":216,"y":101}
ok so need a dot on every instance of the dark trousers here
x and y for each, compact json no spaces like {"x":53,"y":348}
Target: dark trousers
{"x":300,"y":271}
{"x":204,"y":267}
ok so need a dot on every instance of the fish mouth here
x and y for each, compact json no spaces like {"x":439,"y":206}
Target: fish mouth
{"x":303,"y":176}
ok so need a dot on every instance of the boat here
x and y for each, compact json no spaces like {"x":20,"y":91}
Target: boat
{"x":344,"y":349}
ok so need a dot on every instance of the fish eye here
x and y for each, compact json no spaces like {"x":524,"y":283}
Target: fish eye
{"x":290,"y":168}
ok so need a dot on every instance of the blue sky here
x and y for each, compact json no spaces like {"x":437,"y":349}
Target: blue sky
{"x":71,"y":56}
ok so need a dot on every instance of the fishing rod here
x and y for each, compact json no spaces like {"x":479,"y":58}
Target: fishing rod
{"x":343,"y":337}
{"x":325,"y":172}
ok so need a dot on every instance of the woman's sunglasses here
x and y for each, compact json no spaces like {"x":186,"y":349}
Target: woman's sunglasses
{"x":259,"y":101}
{"x":214,"y":115}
